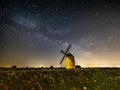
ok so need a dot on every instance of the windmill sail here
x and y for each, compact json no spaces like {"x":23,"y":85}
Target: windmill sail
{"x":62,"y":59}
{"x":62,"y":52}
{"x":65,"y":53}
{"x":68,"y":49}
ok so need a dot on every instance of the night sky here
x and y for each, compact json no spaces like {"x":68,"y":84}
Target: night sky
{"x":32,"y":32}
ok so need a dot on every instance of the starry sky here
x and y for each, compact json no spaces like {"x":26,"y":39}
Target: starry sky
{"x":32,"y":32}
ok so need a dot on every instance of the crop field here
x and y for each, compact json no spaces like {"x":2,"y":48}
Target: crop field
{"x":60,"y":79}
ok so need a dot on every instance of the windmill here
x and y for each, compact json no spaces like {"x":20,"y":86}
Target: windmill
{"x":69,"y":58}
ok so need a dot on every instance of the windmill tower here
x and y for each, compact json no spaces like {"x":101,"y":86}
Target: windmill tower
{"x":69,"y":58}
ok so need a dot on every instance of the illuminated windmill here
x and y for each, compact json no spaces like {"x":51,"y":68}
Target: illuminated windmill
{"x":69,"y":58}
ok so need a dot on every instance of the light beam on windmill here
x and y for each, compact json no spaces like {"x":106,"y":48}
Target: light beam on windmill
{"x":69,"y":58}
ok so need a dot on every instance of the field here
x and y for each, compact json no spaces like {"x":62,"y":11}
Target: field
{"x":60,"y":79}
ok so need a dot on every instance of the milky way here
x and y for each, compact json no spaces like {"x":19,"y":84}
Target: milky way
{"x":32,"y":32}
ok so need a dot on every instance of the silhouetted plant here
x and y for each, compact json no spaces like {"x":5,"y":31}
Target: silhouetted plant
{"x":51,"y":67}
{"x":14,"y":67}
{"x":78,"y":66}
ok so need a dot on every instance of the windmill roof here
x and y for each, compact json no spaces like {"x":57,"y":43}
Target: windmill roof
{"x":69,"y":54}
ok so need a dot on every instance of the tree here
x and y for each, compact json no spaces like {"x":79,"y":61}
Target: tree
{"x":14,"y":67}
{"x":51,"y":67}
{"x":78,"y":66}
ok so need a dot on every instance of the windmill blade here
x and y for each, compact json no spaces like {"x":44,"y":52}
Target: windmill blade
{"x":62,"y":59}
{"x":62,"y":52}
{"x":68,"y":49}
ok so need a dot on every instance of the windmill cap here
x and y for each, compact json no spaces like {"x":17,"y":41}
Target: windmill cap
{"x":69,"y":54}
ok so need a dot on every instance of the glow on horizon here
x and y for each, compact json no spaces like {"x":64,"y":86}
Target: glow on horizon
{"x":86,"y":62}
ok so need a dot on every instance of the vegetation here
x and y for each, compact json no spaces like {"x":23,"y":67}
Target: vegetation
{"x":60,"y":79}
{"x":14,"y":67}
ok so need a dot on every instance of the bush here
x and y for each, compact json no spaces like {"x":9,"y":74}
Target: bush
{"x":14,"y":67}
{"x":51,"y":67}
{"x":78,"y":66}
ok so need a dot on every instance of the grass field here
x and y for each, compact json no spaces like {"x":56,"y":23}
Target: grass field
{"x":60,"y":79}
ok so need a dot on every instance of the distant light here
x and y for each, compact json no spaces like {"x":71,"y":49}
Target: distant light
{"x":90,"y":43}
